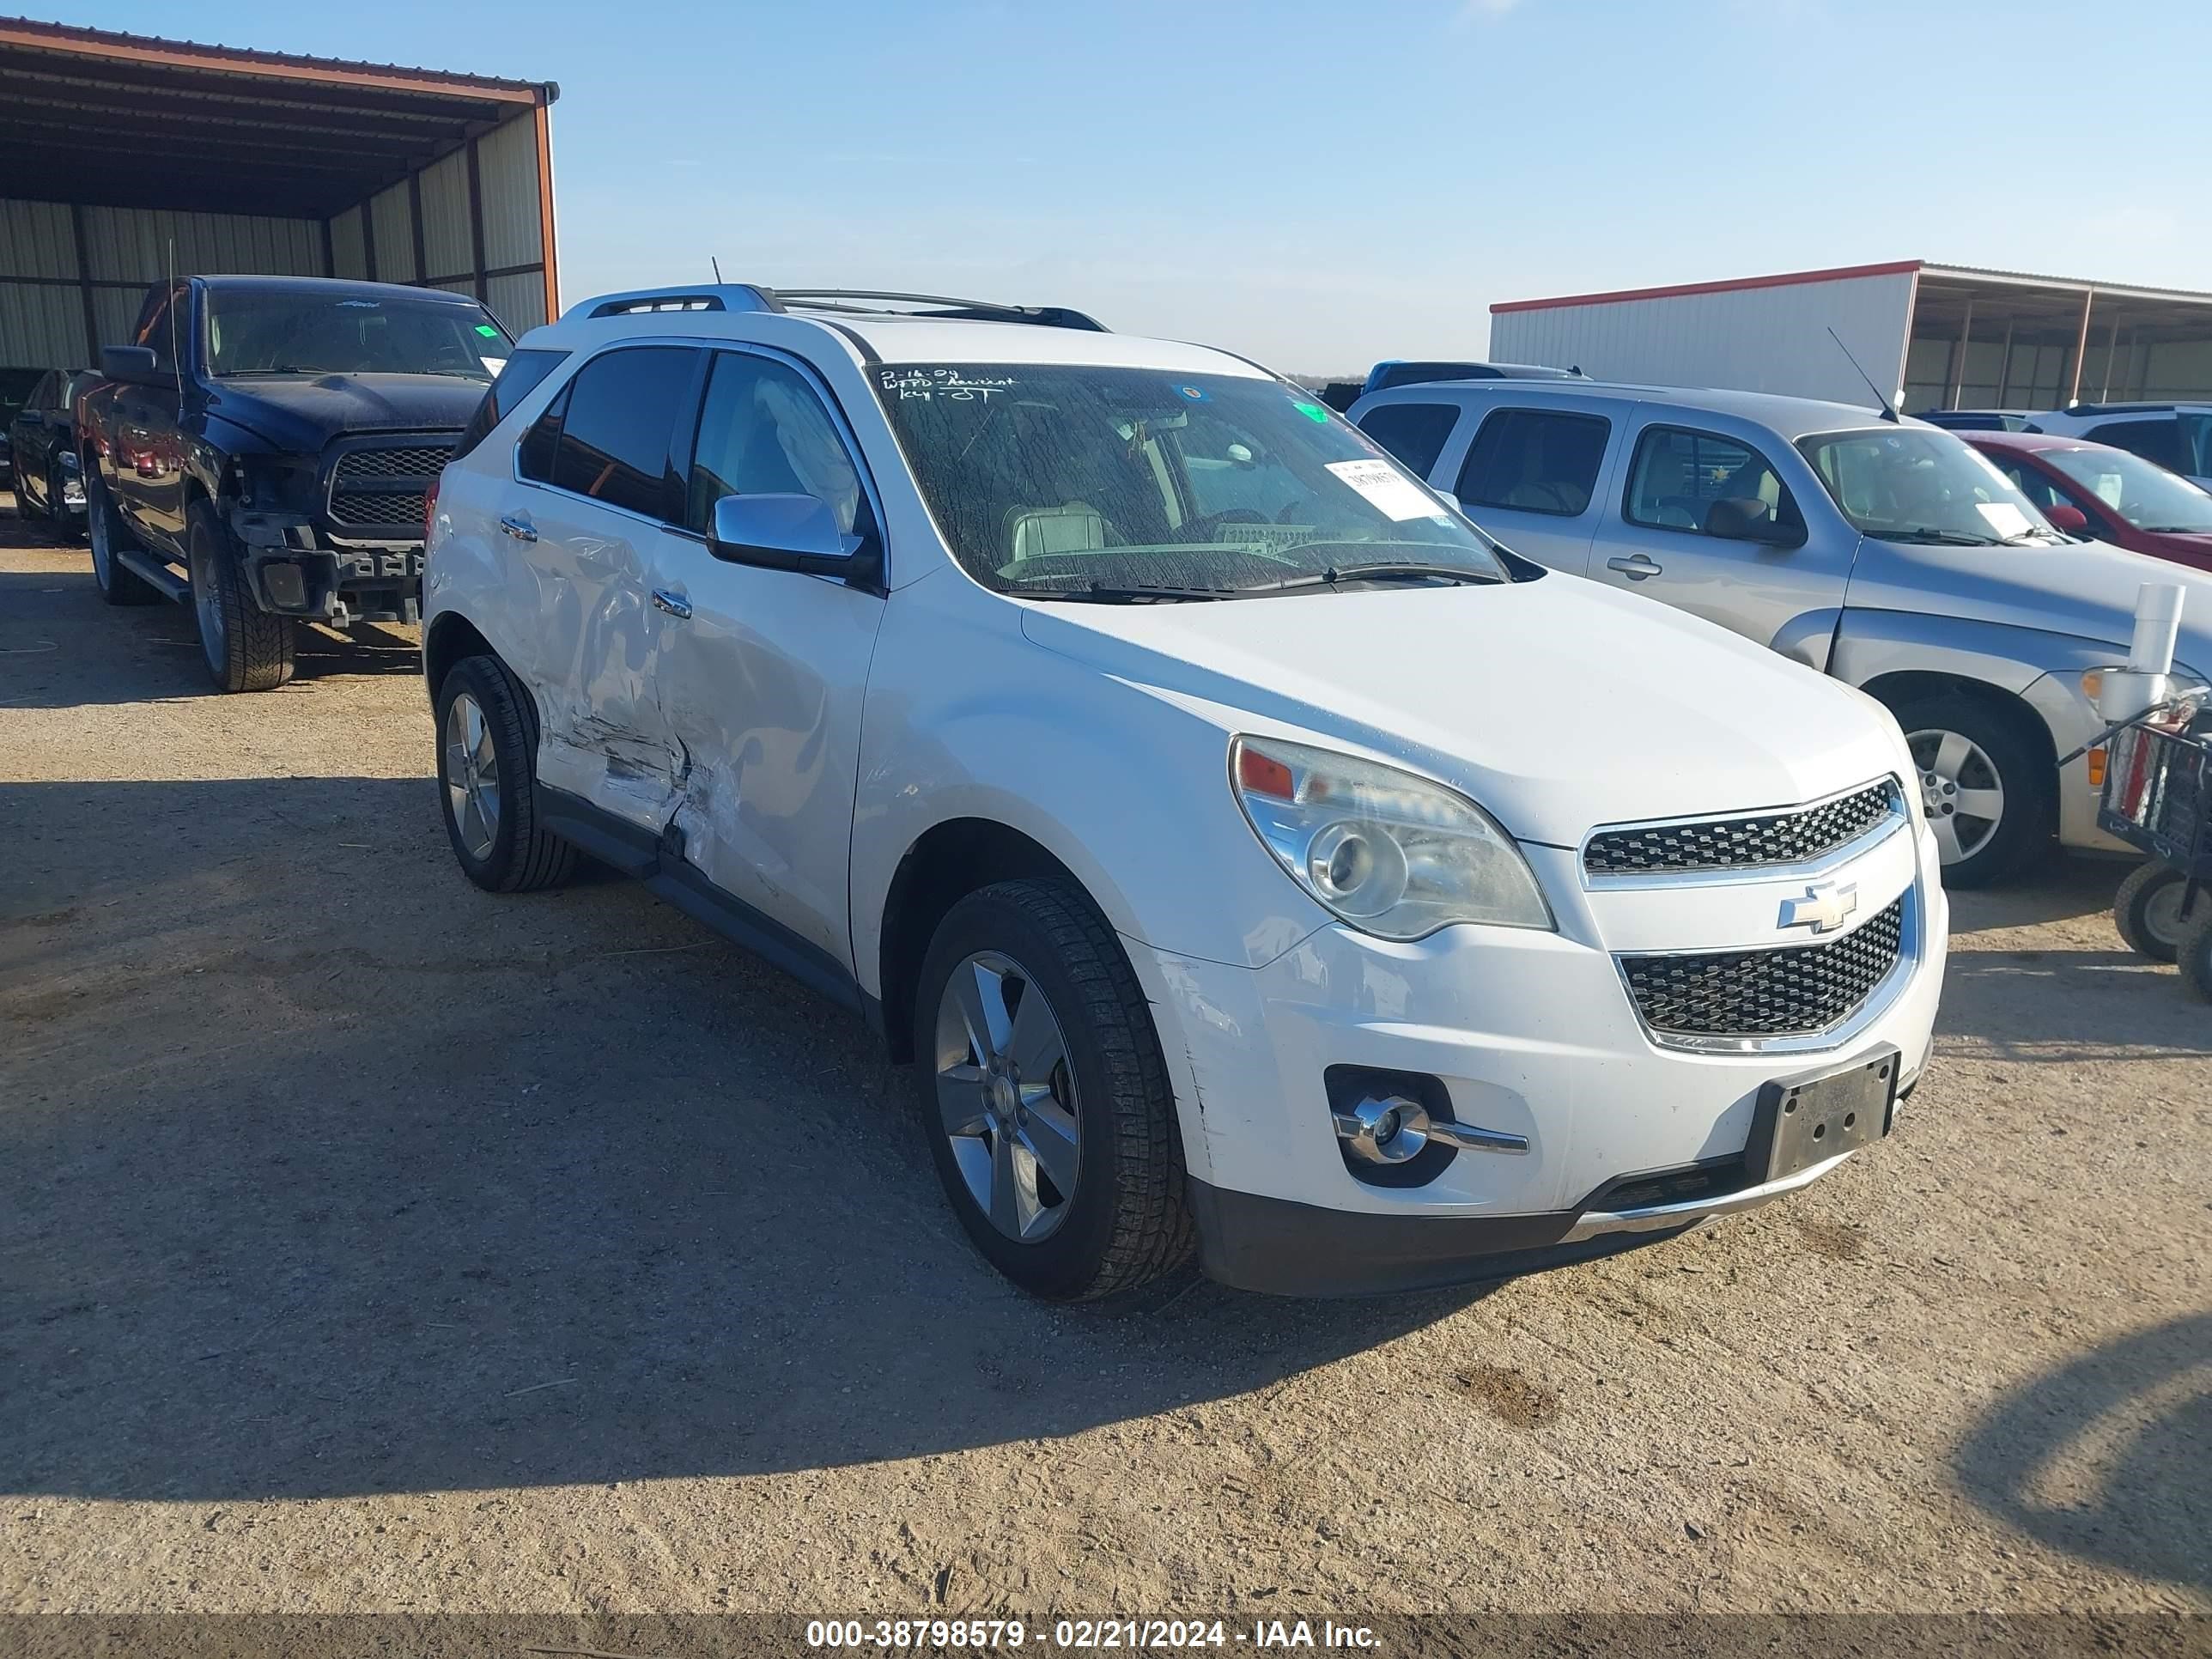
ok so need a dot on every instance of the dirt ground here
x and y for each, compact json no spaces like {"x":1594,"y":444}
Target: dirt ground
{"x":370,"y":1243}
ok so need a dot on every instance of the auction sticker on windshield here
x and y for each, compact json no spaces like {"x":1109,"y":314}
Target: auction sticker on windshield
{"x":1389,"y":491}
{"x":2004,"y":518}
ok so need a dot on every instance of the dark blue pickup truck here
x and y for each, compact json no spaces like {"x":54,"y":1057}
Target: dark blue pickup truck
{"x":262,"y":448}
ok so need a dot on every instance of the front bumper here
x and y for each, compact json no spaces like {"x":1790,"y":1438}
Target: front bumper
{"x":292,"y":574}
{"x":1529,"y":1035}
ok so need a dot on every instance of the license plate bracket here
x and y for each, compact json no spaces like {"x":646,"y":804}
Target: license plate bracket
{"x":1813,"y":1116}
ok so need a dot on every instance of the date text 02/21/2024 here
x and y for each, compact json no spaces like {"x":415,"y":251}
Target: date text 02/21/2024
{"x":1083,"y":1634}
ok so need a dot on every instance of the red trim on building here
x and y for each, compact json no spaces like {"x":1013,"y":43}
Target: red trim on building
{"x":1786,"y":279}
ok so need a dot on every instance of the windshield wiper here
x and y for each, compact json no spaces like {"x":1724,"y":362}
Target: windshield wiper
{"x":1139,"y":593}
{"x":1946,"y":537}
{"x":1382,"y":572}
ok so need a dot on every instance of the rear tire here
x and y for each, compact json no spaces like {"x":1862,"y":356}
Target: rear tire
{"x":2148,"y":910}
{"x":1096,"y":1214}
{"x":24,"y":510}
{"x":488,"y":756}
{"x":1992,"y":799}
{"x":245,"y":647}
{"x":109,"y":538}
{"x":2194,"y":954}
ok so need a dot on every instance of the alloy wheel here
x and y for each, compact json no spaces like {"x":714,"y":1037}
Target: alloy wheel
{"x":471,"y":771}
{"x":1006,"y":1096}
{"x":1961,"y":792}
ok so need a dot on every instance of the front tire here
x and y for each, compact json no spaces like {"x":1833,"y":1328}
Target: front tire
{"x":58,"y":516}
{"x":488,"y":781}
{"x":1045,"y":1097}
{"x":245,"y":647}
{"x":1990,"y":798}
{"x":2194,"y":952}
{"x":2148,"y":911}
{"x":110,"y":537}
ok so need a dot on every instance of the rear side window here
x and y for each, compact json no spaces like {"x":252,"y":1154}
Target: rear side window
{"x":621,"y":414}
{"x":1535,"y":461}
{"x":2154,"y":440}
{"x":1414,"y":432}
{"x":523,"y":374}
{"x":1679,"y":474}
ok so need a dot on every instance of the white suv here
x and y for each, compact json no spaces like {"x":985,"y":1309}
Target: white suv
{"x":1257,"y":860}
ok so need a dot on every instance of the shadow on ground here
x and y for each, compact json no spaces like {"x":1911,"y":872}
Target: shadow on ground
{"x":321,"y":1172}
{"x":148,"y":652}
{"x":2109,"y":1457}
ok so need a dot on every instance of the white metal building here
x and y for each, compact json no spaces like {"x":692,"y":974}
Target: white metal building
{"x":1942,"y":337}
{"x":120,"y":153}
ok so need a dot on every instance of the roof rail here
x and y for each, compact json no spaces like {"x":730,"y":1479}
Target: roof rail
{"x":708,"y":296}
{"x":882,"y":302}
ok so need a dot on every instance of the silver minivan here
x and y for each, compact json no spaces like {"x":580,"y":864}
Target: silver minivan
{"x":1885,"y":553}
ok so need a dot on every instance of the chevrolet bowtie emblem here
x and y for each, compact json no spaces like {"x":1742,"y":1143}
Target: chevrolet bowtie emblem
{"x":1825,"y":908}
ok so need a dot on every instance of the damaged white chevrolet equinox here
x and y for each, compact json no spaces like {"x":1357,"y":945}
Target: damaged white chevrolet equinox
{"x":1255,"y":860}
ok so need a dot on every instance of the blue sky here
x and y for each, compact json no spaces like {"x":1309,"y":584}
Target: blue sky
{"x":1320,"y":185}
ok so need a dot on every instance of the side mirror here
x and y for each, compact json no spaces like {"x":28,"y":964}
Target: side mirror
{"x":2071,"y":519}
{"x":133,"y":363}
{"x":784,"y":532}
{"x":1746,"y":520}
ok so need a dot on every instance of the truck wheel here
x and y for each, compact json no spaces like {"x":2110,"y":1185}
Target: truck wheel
{"x":109,"y":536}
{"x":24,"y":509}
{"x":488,"y":781}
{"x":2194,"y":952}
{"x":1991,"y":799}
{"x":2148,"y":910}
{"x":246,"y":648}
{"x":1044,"y":1095}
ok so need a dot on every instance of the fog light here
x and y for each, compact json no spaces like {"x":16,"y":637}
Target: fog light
{"x":1385,"y":1129}
{"x":286,"y":587}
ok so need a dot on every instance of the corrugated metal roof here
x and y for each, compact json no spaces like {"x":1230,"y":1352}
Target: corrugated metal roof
{"x":1926,"y":268}
{"x":115,"y":42}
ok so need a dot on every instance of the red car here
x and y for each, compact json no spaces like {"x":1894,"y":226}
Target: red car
{"x":2093,"y":490}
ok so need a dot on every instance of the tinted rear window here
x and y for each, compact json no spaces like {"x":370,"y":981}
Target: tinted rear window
{"x":1535,"y":461}
{"x":615,"y":439}
{"x":1414,"y":432}
{"x":524,"y":373}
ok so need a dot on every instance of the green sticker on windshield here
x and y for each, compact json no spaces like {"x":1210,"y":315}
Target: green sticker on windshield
{"x":488,"y":330}
{"x":1311,"y":411}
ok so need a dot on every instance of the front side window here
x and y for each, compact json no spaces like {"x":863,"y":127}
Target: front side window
{"x":2156,"y":440}
{"x":763,"y":430}
{"x":1535,"y":461}
{"x":620,"y":414}
{"x":276,"y":331}
{"x":1680,"y":473}
{"x":2195,"y":442}
{"x":1922,"y":484}
{"x":1063,"y":482}
{"x":2148,"y":498}
{"x":1414,"y":432}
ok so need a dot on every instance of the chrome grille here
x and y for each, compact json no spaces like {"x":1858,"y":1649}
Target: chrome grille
{"x":1750,"y":840}
{"x":1795,"y":991}
{"x":383,"y":487}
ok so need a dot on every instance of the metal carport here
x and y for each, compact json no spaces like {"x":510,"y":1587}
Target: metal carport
{"x":125,"y":157}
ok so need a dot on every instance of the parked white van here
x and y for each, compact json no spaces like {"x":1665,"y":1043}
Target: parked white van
{"x":1254,"y":860}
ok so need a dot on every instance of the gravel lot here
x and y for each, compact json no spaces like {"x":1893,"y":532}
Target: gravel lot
{"x":370,"y":1243}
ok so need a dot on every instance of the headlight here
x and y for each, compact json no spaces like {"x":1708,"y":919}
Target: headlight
{"x":1394,"y":854}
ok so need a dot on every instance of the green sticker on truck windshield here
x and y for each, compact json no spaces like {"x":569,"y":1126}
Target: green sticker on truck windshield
{"x":1311,"y":411}
{"x":488,"y":330}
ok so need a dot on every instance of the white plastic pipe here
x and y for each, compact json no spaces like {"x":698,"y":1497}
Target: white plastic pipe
{"x":2158,"y":624}
{"x":2144,"y":682}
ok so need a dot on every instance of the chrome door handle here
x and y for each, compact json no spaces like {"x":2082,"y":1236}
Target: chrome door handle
{"x":1635,"y":569}
{"x":674,"y":604}
{"x":519,"y":528}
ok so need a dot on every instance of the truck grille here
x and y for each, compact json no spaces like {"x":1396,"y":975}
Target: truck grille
{"x":383,"y":487}
{"x":1752,"y":840}
{"x":1796,"y":991}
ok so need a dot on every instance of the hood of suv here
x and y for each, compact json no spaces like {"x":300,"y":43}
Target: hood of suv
{"x":2086,"y":590}
{"x":1557,"y":704}
{"x":303,"y":412}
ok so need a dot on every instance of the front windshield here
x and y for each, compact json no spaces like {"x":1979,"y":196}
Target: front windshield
{"x":1080,"y":482}
{"x":1919,"y":484}
{"x":274,"y":332}
{"x":2144,"y":493}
